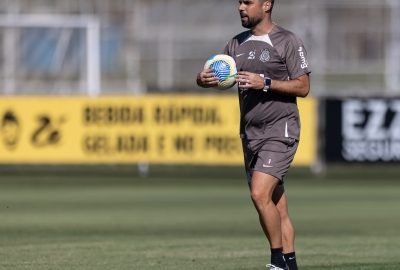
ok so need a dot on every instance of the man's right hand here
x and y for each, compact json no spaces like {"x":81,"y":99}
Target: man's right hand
{"x":206,"y":78}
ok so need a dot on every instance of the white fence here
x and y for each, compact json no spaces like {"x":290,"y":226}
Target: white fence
{"x":160,"y":45}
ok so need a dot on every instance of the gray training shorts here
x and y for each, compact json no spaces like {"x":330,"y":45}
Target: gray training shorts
{"x":271,"y":156}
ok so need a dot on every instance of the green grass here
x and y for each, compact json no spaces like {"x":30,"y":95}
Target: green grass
{"x":192,"y":219}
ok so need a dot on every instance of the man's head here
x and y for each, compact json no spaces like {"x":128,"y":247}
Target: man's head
{"x":9,"y":130}
{"x":252,"y":12}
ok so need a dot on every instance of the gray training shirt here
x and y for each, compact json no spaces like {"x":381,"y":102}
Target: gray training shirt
{"x":279,"y":55}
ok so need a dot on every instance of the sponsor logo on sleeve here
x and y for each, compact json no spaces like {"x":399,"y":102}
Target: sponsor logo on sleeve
{"x":304,"y":63}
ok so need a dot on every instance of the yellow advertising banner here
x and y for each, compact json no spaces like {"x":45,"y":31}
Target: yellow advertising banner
{"x":163,"y":129}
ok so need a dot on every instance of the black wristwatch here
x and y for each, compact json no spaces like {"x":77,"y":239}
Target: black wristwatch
{"x":267,"y":84}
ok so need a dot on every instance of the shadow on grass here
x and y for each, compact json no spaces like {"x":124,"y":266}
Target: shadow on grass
{"x":357,"y":266}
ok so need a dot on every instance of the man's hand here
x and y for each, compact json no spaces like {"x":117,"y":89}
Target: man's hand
{"x":247,"y":80}
{"x":206,"y":78}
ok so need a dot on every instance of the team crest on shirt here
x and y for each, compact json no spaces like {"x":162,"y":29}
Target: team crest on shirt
{"x":265,"y":56}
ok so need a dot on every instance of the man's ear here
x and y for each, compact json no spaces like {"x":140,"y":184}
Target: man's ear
{"x":267,"y":6}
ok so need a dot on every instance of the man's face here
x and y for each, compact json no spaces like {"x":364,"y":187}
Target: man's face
{"x":251,"y":12}
{"x":10,"y":133}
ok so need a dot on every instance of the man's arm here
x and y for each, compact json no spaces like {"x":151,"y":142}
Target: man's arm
{"x":299,"y":87}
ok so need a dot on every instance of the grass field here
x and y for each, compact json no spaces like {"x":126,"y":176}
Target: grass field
{"x":199,"y":218}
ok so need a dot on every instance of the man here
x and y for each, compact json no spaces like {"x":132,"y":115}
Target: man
{"x":10,"y":130}
{"x":273,"y":71}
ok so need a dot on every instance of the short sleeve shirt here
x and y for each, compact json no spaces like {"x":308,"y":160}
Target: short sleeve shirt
{"x":279,"y":55}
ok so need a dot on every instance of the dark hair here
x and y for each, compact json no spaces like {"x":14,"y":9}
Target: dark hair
{"x":9,"y":117}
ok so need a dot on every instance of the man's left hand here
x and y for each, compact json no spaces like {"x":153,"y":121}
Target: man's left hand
{"x":248,"y":80}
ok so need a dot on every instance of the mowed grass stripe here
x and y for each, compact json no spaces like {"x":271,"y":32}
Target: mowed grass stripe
{"x":197,"y":223}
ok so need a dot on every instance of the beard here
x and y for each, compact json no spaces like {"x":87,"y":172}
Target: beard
{"x":248,"y":22}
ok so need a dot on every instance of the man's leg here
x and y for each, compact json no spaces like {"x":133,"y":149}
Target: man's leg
{"x":280,"y":200}
{"x":262,"y":188}
{"x":288,"y":233}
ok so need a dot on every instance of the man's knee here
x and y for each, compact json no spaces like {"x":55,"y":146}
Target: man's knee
{"x":257,"y":196}
{"x":260,"y":198}
{"x":262,"y":187}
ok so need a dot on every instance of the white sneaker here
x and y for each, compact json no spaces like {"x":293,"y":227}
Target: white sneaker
{"x":273,"y":267}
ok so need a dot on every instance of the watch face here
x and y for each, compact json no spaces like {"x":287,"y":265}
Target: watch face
{"x":267,"y":82}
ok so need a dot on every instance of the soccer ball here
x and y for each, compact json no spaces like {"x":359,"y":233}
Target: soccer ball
{"x":224,"y":68}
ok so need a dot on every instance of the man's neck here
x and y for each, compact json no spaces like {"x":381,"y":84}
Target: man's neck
{"x":263,"y":28}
